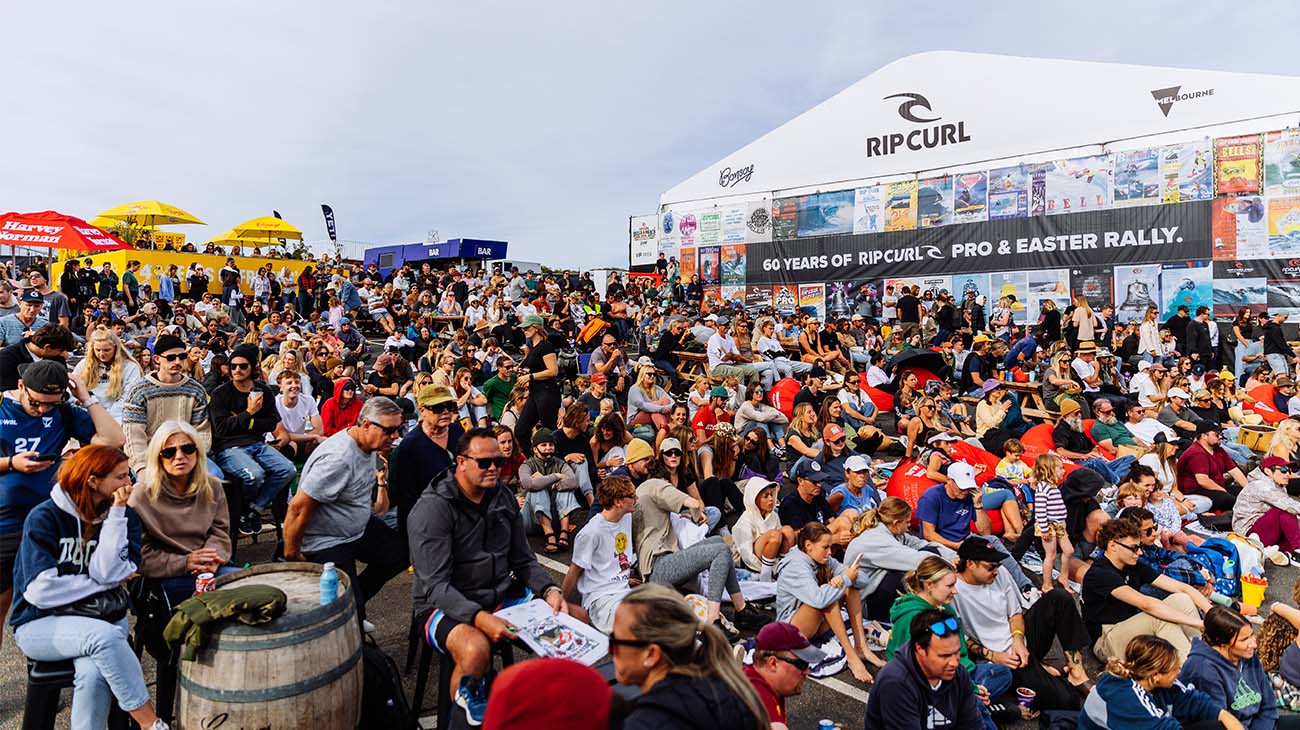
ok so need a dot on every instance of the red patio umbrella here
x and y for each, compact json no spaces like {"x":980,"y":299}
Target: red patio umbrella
{"x":48,"y":229}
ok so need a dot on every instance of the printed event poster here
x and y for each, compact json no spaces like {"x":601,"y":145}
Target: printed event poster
{"x":758,"y":297}
{"x":1239,"y":228}
{"x":733,"y":223}
{"x":1284,"y":226}
{"x":826,"y":214}
{"x":970,"y":197}
{"x":934,"y":202}
{"x":1284,"y":296}
{"x":1052,"y":284}
{"x":733,"y":265}
{"x":557,"y":635}
{"x":785,"y":297}
{"x":758,"y":222}
{"x":688,"y":263}
{"x":1009,"y":284}
{"x":687,"y":228}
{"x":668,"y":239}
{"x":934,"y":284}
{"x":812,"y":299}
{"x":1237,"y":164}
{"x":713,"y":293}
{"x":1137,"y":177}
{"x":709,"y":263}
{"x":1189,"y":284}
{"x":962,"y":284}
{"x":1282,"y":163}
{"x":1038,"y":188}
{"x":1094,"y":283}
{"x":733,"y":295}
{"x":868,"y":210}
{"x":1008,"y":193}
{"x":839,"y":298}
{"x":1078,"y":185}
{"x":900,"y":205}
{"x":1239,"y":284}
{"x":710,"y":227}
{"x":1136,"y":288}
{"x":785,"y":218}
{"x":644,"y":234}
{"x":1187,"y":171}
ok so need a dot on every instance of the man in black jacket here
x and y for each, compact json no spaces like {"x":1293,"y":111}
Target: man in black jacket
{"x":1177,"y":325}
{"x":243,"y":412}
{"x":1276,"y":349}
{"x":1198,"y":337}
{"x":924,"y":687}
{"x":471,"y":558}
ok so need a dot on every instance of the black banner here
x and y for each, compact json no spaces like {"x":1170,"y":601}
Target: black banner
{"x":276,"y":213}
{"x":1151,"y":234}
{"x":329,"y":221}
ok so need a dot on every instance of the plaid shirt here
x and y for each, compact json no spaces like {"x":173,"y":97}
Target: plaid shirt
{"x":1179,"y":566}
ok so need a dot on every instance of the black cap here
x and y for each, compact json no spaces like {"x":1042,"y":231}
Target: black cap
{"x":31,"y":296}
{"x":166,"y":342}
{"x":977,"y":548}
{"x":44,"y":376}
{"x":1207,"y":427}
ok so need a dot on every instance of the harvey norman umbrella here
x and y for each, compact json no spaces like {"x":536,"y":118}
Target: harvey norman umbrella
{"x":49,"y":229}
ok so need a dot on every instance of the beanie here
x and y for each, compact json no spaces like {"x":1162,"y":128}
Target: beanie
{"x":164,"y":343}
{"x":636,"y":450}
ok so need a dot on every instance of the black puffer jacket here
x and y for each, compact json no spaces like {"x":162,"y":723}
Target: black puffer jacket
{"x":679,"y":702}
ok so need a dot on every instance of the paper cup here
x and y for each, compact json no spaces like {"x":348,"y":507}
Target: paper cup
{"x":1025,"y":697}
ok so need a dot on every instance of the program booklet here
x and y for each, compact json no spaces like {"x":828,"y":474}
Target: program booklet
{"x":557,"y":635}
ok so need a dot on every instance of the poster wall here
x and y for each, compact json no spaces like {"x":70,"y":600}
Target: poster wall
{"x":970,"y":197}
{"x":1239,"y":284}
{"x":1078,"y":185}
{"x":962,"y":284}
{"x":733,"y":265}
{"x":1237,"y":164}
{"x":709,"y":258}
{"x":934,"y":202}
{"x":1282,"y":163}
{"x":1009,"y":283}
{"x":688,"y":263}
{"x":645,"y":239}
{"x":785,"y":218}
{"x":1043,"y":285}
{"x":868,"y":210}
{"x":785,"y":297}
{"x":687,"y":227}
{"x":758,"y":222}
{"x":710,"y":227}
{"x":1187,"y":171}
{"x":1094,"y":283}
{"x":812,"y":299}
{"x":1239,"y":228}
{"x":826,"y":214}
{"x":758,"y":296}
{"x":1189,"y":284}
{"x":1137,"y":177}
{"x":900,"y":205}
{"x":1136,"y":288}
{"x":1284,"y":227}
{"x":733,"y":223}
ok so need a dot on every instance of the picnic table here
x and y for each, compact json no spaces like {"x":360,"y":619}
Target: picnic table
{"x":1031,"y":400}
{"x":448,"y":323}
{"x":692,"y":365}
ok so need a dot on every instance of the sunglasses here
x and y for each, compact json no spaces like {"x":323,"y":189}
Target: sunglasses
{"x":45,"y":404}
{"x":441,"y":408}
{"x":488,"y":462}
{"x":635,"y":643}
{"x":672,"y":452}
{"x":389,"y":430}
{"x":836,"y":441}
{"x":944,"y":627}
{"x":799,"y":664}
{"x":1282,"y":469}
{"x":171,"y":358}
{"x":1130,"y":548}
{"x":240,"y":366}
{"x":1149,"y":531}
{"x":187,"y":449}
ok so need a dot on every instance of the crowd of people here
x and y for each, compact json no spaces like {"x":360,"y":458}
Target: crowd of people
{"x":684,"y":455}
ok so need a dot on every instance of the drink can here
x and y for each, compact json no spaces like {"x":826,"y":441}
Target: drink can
{"x":203,"y":582}
{"x":825,"y":725}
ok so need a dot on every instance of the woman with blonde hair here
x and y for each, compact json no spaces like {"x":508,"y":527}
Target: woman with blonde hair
{"x":443,"y":374}
{"x":1160,"y":456}
{"x":108,"y":369}
{"x":1149,"y":336}
{"x":801,"y":435}
{"x":471,"y":403}
{"x":183,"y":511}
{"x":1084,"y":320}
{"x":888,"y":552}
{"x":1141,"y":691}
{"x":194,"y":362}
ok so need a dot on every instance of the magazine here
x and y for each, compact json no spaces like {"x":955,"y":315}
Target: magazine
{"x":550,"y":634}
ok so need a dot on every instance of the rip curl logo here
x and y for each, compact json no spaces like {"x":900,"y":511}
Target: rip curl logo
{"x":729,"y":178}
{"x":933,"y":252}
{"x":1166,"y":97}
{"x":914,"y":100}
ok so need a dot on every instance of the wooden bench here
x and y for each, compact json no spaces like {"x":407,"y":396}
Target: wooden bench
{"x":692,"y":365}
{"x":1032,"y":404}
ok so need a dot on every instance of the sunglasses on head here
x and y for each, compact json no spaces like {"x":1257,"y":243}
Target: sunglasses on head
{"x":170,"y":451}
{"x":944,"y":627}
{"x":488,"y":462}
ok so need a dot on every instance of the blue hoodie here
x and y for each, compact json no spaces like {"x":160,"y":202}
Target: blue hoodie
{"x":1121,"y":704}
{"x":1242,"y":688}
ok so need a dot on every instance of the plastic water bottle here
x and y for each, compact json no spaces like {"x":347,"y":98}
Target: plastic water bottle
{"x":329,"y":584}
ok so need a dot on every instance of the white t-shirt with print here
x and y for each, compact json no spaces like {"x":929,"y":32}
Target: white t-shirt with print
{"x":604,"y":551}
{"x":296,"y":419}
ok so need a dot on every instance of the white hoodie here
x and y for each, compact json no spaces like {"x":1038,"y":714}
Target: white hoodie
{"x":751,"y":525}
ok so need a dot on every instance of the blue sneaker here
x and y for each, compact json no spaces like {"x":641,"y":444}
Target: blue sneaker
{"x":472,"y":696}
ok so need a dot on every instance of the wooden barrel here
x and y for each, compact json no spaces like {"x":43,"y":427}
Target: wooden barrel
{"x":302,"y":670}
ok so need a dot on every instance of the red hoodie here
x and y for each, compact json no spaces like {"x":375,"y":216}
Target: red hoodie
{"x":334,"y":417}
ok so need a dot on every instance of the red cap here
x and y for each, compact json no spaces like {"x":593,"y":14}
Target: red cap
{"x":600,"y":378}
{"x":1273,"y":462}
{"x":832,"y":432}
{"x":524,"y":697}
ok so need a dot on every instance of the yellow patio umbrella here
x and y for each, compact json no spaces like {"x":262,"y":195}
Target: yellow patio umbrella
{"x":268,"y":228}
{"x":105,"y":223}
{"x":151,"y":213}
{"x":230,"y":238}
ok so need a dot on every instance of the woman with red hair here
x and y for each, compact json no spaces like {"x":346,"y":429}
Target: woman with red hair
{"x":77,"y":548}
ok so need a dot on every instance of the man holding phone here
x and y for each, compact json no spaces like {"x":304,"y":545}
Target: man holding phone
{"x":36,"y":423}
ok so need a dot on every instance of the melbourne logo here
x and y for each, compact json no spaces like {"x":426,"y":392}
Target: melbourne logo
{"x":729,"y":178}
{"x":1165,"y":98}
{"x":916,"y":109}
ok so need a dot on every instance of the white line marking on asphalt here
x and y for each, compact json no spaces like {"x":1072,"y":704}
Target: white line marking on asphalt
{"x":830,"y":683}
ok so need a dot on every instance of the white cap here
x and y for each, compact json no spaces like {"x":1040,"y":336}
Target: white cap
{"x":941,"y":436}
{"x":711,"y":318}
{"x":1144,"y":366}
{"x":1179,"y":393}
{"x":857,"y":462}
{"x":964,"y":475}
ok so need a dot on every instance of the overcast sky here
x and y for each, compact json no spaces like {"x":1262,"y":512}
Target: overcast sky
{"x":543,"y":124}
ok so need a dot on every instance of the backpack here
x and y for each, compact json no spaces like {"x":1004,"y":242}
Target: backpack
{"x":383,"y":702}
{"x":1220,"y":556}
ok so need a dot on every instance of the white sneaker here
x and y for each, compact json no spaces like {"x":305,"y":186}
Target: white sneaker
{"x":1275,"y":555}
{"x":367,"y":627}
{"x":1029,"y":596}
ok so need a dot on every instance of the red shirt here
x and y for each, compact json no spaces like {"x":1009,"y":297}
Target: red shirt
{"x":705,"y":420}
{"x":1196,"y":460}
{"x":774,"y":705}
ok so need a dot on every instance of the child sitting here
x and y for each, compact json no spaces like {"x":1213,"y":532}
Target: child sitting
{"x":1049,"y":518}
{"x":1013,"y":467}
{"x":757,"y":541}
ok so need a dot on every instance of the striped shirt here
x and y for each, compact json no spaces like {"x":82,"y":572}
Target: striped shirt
{"x":1049,"y":507}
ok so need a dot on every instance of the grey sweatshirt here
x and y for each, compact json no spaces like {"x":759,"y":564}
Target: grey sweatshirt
{"x":881,"y":551}
{"x":638,"y":400}
{"x":797,"y":585}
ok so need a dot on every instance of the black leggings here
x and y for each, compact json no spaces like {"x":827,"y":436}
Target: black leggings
{"x":717,"y":492}
{"x":542,"y":407}
{"x":876,"y":605}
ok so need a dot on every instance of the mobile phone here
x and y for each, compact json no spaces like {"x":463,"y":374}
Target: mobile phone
{"x":45,"y":457}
